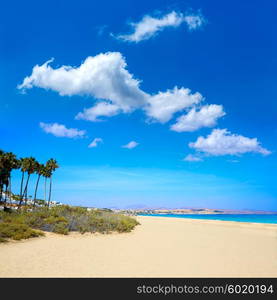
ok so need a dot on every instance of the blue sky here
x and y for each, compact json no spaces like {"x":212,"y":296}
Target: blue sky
{"x":179,"y":95}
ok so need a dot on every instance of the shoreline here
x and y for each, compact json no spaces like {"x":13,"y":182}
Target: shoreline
{"x":270,"y":225}
{"x":159,"y":247}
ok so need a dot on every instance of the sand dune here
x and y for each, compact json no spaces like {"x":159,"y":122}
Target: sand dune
{"x":159,"y":247}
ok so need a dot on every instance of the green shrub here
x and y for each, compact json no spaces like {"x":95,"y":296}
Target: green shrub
{"x":126,"y":225}
{"x":55,"y":219}
{"x":63,"y":219}
{"x":61,"y":228}
{"x":2,"y":240}
{"x":17,"y":231}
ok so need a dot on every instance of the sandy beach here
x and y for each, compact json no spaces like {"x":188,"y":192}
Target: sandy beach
{"x":159,"y":247}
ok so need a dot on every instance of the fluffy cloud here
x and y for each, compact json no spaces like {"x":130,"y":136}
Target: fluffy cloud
{"x":222,"y":142}
{"x":150,"y":26}
{"x":101,"y":109}
{"x":106,"y":78}
{"x":194,"y":21}
{"x":162,"y":106}
{"x":103,"y":76}
{"x":192,"y":158}
{"x":205,"y":117}
{"x":60,"y":130}
{"x":95,"y":142}
{"x":130,"y":145}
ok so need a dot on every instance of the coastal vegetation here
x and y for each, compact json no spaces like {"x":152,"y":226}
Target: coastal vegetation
{"x":23,"y":219}
{"x":24,"y":223}
{"x":28,"y":166}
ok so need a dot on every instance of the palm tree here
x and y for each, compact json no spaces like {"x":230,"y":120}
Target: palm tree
{"x":46,"y":174}
{"x":8,"y":162}
{"x":40,"y":170}
{"x":23,"y":166}
{"x":51,"y":166}
{"x":30,"y":166}
{"x":2,"y":172}
{"x":13,"y":163}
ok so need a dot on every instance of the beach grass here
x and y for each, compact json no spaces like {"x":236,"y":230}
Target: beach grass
{"x":24,"y":224}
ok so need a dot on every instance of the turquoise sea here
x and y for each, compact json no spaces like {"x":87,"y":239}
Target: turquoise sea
{"x":251,"y":218}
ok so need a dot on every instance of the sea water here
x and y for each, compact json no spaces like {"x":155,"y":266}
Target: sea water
{"x":249,"y":218}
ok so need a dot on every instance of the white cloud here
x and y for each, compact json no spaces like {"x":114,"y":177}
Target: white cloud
{"x":60,"y":130}
{"x":95,"y":142}
{"x":192,"y":158}
{"x":222,"y":142}
{"x":194,"y":21}
{"x":130,"y":145}
{"x":205,"y":117}
{"x":103,"y":76}
{"x":150,"y":26}
{"x":162,"y":106}
{"x":106,"y":78}
{"x":101,"y":109}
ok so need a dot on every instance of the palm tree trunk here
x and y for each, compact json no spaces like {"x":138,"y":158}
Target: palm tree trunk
{"x":1,"y":191}
{"x":25,"y":191}
{"x":35,"y":196}
{"x":45,"y":181}
{"x":5,"y":199}
{"x":6,"y":193}
{"x":50,"y":190}
{"x":26,"y":196}
{"x":21,"y":186}
{"x":10,"y":189}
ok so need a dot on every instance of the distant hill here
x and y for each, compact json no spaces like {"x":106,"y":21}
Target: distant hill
{"x":197,"y":211}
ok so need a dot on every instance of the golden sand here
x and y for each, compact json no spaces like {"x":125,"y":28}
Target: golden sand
{"x":159,"y":247}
